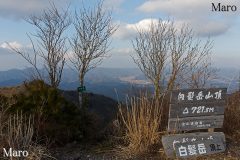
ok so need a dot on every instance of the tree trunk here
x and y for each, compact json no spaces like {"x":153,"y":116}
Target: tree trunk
{"x":80,"y":94}
{"x":172,"y":81}
{"x":157,"y":90}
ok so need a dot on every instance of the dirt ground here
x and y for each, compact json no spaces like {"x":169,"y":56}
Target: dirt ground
{"x":78,"y":152}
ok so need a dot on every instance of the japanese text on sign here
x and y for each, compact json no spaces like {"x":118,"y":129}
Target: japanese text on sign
{"x":193,"y":144}
{"x":190,"y":96}
{"x":192,"y":150}
{"x":199,"y":148}
{"x":198,"y":110}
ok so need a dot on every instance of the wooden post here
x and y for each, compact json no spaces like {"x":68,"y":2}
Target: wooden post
{"x":81,"y":91}
{"x":80,"y":99}
{"x":210,"y":129}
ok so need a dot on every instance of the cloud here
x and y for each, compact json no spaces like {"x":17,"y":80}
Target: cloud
{"x":142,"y":25}
{"x":128,"y":31}
{"x":123,"y":32}
{"x":12,"y":44}
{"x":123,"y":51}
{"x":196,"y":13}
{"x":19,"y":9}
{"x":4,"y":51}
{"x":173,"y":6}
{"x":212,"y":28}
{"x":5,"y":48}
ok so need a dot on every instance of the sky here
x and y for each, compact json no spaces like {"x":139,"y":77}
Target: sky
{"x":222,"y":27}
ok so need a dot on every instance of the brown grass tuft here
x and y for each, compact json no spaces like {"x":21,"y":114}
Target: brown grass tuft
{"x":17,"y":133}
{"x":141,"y":120}
{"x":232,"y":115}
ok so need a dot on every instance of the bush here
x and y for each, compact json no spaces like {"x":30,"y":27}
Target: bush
{"x":55,"y":118}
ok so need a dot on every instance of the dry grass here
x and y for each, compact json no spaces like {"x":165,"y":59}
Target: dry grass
{"x":3,"y":122}
{"x":232,"y":115}
{"x":10,"y":91}
{"x":17,"y":133}
{"x":141,"y":120}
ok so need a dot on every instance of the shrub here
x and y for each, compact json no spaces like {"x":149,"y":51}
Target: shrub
{"x":55,"y":118}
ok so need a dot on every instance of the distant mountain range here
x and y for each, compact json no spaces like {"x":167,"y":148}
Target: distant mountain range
{"x":113,"y":82}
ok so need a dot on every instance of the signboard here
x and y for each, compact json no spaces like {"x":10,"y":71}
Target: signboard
{"x":194,"y":109}
{"x":81,"y":89}
{"x":193,"y":144}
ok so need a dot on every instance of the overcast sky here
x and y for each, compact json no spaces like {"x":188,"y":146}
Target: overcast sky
{"x":222,"y":27}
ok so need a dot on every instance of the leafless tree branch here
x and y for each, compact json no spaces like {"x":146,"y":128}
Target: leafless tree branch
{"x":165,"y":47}
{"x":91,"y":41}
{"x":50,"y":44}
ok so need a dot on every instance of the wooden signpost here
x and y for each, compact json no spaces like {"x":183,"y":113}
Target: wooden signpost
{"x":195,"y":109}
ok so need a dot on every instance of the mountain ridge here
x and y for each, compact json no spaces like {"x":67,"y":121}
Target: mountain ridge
{"x":112,"y":82}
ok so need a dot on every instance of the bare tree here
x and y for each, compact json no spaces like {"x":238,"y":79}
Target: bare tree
{"x":164,"y":47}
{"x":49,"y":43}
{"x":199,"y":71}
{"x":91,"y":41}
{"x":190,"y":60}
{"x":152,"y":48}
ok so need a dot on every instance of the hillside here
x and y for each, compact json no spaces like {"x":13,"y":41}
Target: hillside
{"x":104,"y":108}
